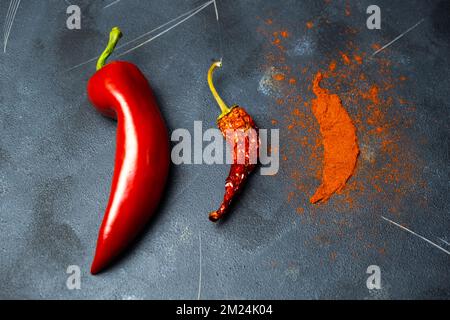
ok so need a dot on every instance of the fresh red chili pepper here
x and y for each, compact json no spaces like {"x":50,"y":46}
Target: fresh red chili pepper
{"x":120,"y":91}
{"x":239,"y":129}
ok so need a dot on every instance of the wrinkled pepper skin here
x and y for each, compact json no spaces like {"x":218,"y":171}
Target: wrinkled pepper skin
{"x":235,"y":124}
{"x":120,"y":91}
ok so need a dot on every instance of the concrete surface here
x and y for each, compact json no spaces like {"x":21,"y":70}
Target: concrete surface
{"x":57,"y":155}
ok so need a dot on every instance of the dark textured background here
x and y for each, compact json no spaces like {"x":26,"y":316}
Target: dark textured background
{"x":57,"y":155}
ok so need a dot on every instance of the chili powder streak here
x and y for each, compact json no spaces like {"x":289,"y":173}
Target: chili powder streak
{"x":339,"y":141}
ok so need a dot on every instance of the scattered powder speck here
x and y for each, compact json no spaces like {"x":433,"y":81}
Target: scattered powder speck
{"x":347,"y":11}
{"x":278,"y":77}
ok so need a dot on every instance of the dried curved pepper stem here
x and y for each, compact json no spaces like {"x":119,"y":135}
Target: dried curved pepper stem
{"x":240,"y":131}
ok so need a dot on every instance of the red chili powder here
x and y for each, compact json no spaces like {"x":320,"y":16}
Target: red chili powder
{"x":386,"y":172}
{"x":339,"y":141}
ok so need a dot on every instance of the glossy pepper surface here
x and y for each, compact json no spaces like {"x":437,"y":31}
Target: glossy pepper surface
{"x":241,"y":132}
{"x":120,"y":91}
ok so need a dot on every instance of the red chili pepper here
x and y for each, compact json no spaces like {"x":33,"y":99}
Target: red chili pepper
{"x":239,"y":129}
{"x":120,"y":91}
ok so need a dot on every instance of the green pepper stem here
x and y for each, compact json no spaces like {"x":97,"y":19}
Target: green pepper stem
{"x":223,"y":107}
{"x":114,"y":37}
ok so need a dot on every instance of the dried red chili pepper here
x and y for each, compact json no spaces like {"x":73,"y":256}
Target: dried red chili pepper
{"x":120,"y":91}
{"x":239,"y":129}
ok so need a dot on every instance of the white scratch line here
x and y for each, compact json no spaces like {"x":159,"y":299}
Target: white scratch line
{"x":162,"y":26}
{"x":111,"y":4}
{"x":82,"y":64}
{"x":398,"y":38}
{"x":10,"y":22}
{"x":142,"y":35}
{"x":167,"y":30}
{"x":8,"y":13}
{"x":215,"y":9}
{"x":444,"y":241}
{"x":200,"y":271}
{"x":417,"y":235}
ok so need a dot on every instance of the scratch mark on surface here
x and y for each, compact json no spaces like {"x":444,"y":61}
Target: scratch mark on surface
{"x":398,"y":38}
{"x":162,"y":26}
{"x":82,"y":64}
{"x":8,"y":13}
{"x":215,"y":9}
{"x":12,"y":10}
{"x":417,"y":235}
{"x":219,"y":28}
{"x":111,"y":4}
{"x":444,"y":241}
{"x":200,"y":268}
{"x":145,"y":34}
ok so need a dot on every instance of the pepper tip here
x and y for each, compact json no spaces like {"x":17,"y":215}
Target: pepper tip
{"x":97,"y":266}
{"x":95,"y":269}
{"x":214,"y":216}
